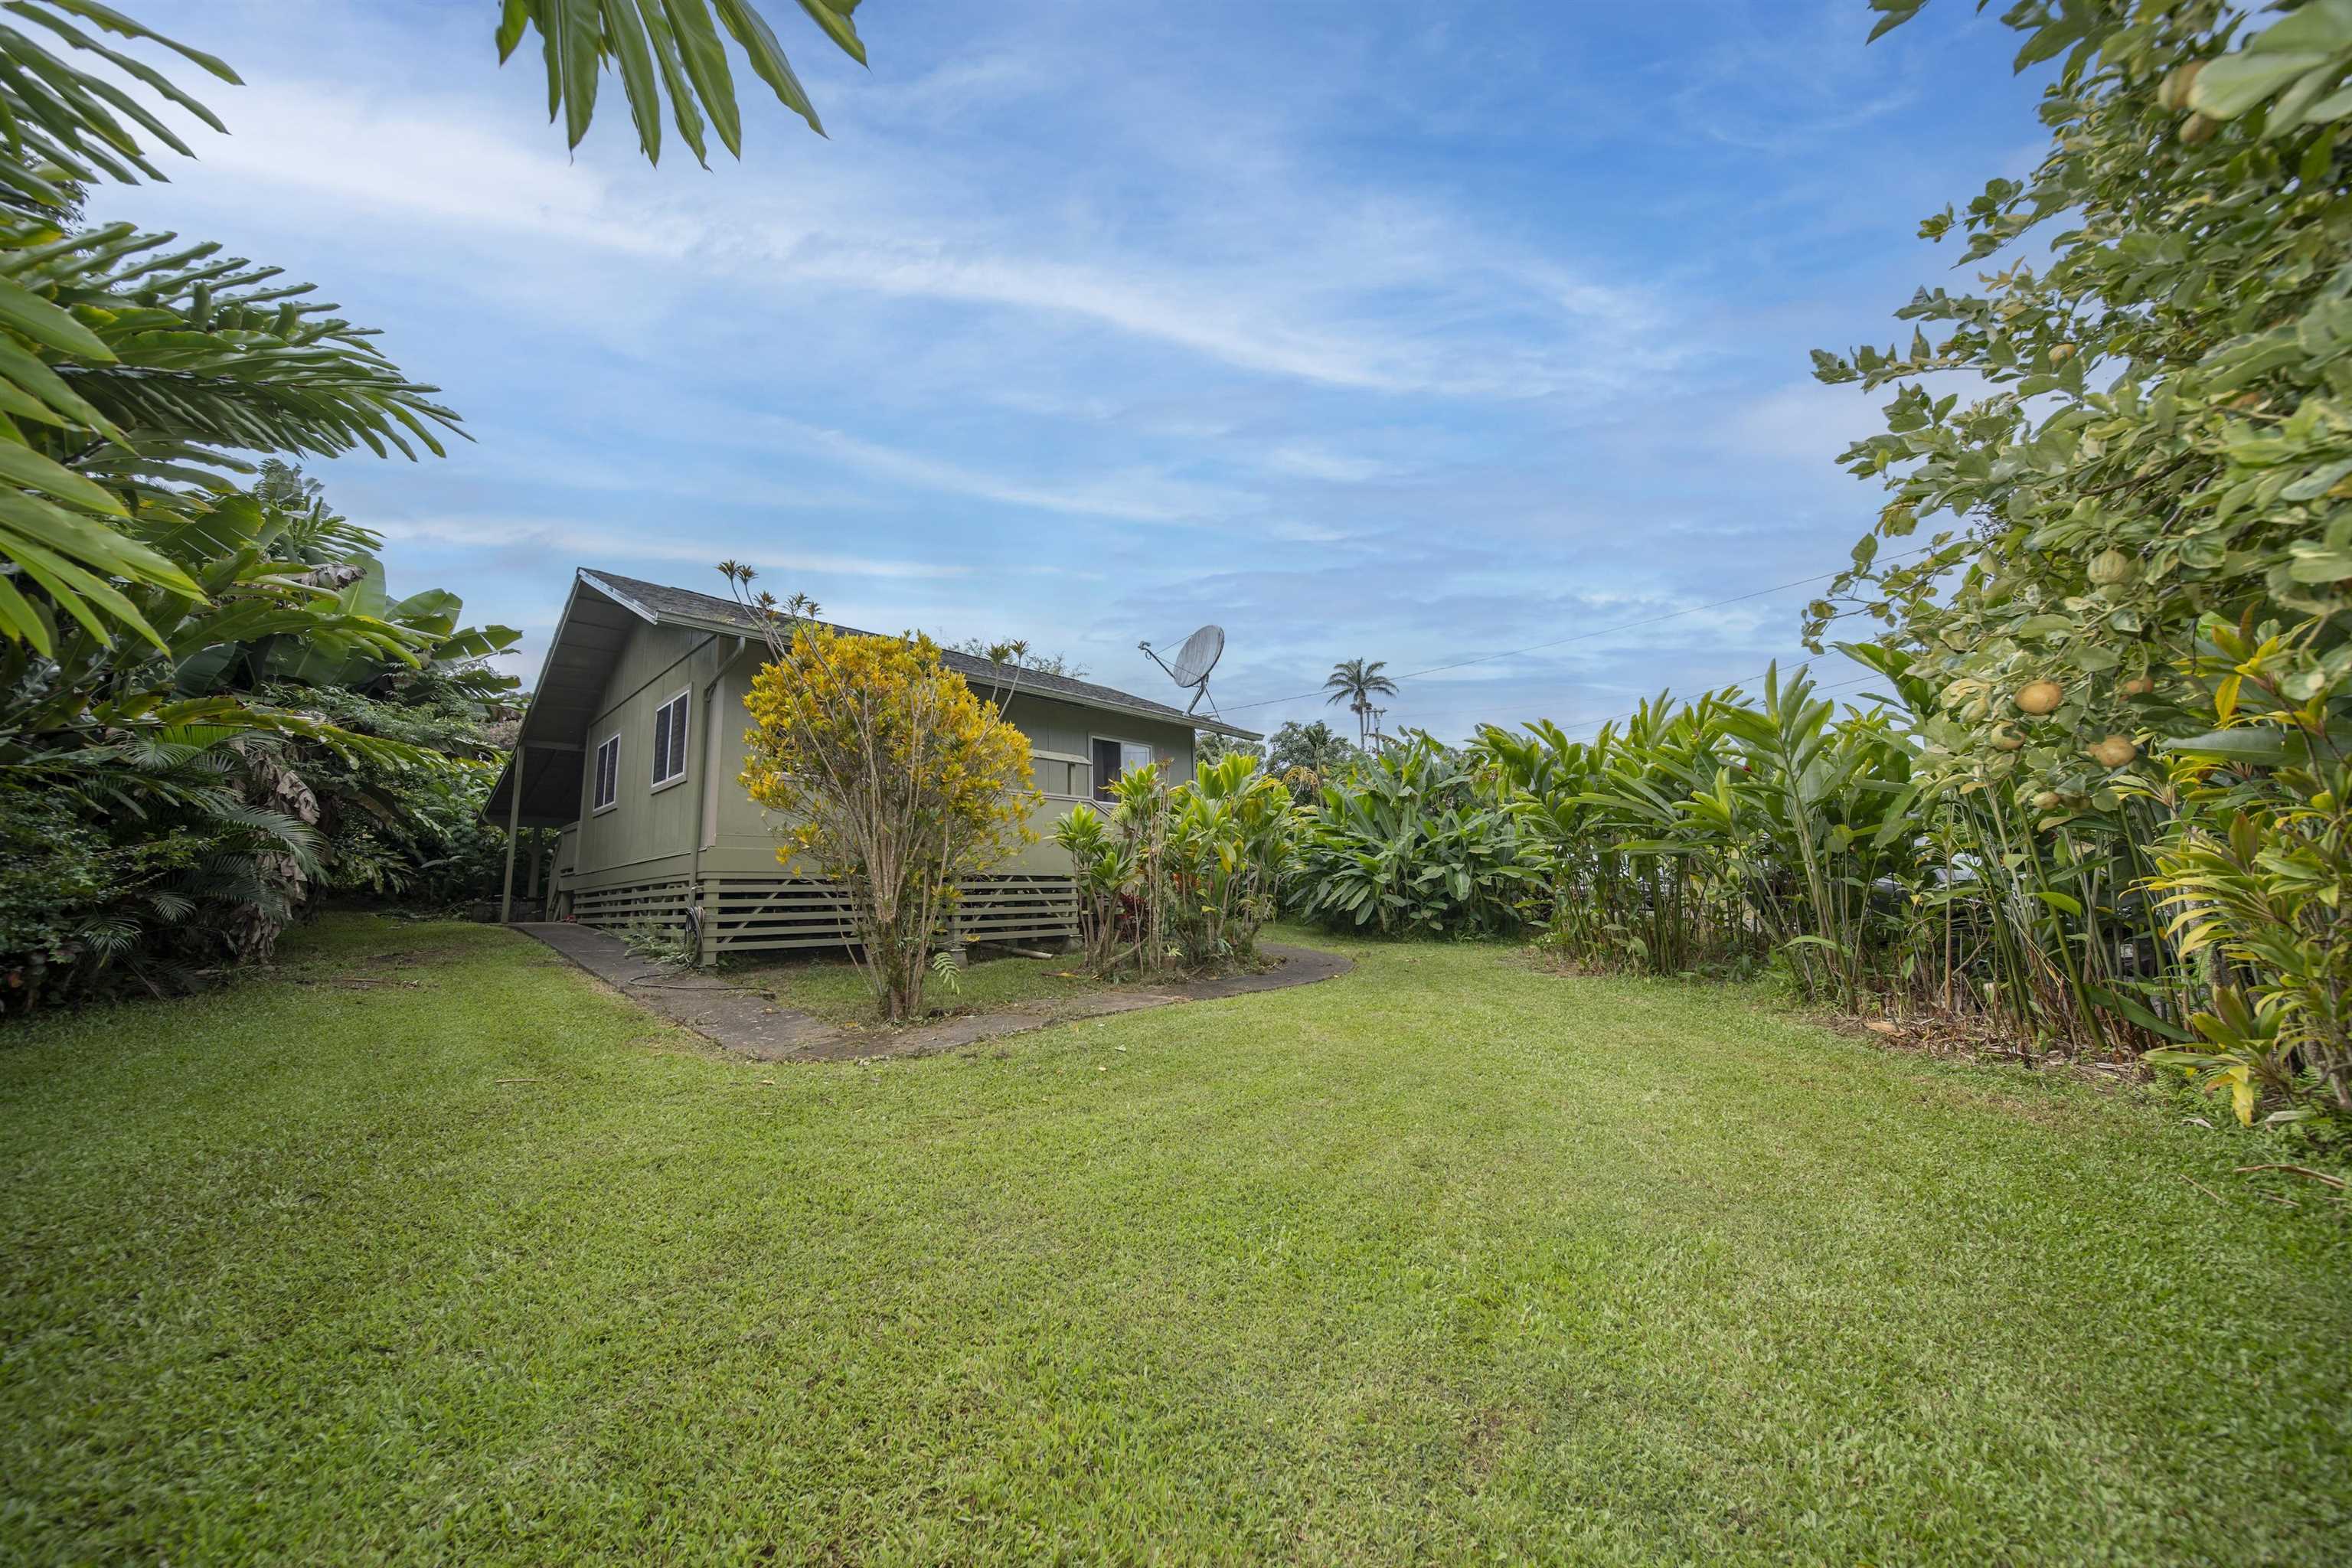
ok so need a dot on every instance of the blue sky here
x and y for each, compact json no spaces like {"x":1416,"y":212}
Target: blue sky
{"x":1392,"y":330}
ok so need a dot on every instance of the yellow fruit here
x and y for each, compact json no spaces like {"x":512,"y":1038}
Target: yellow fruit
{"x":2005,"y":739}
{"x":2115,"y":752}
{"x":2046,"y":800}
{"x":2172,"y":92}
{"x":2138,"y":686}
{"x":2061,"y":352}
{"x":2109,"y":567}
{"x":2040,"y":697}
{"x":2198,"y":130}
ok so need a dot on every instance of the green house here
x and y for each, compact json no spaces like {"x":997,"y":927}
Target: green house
{"x":634,"y":742}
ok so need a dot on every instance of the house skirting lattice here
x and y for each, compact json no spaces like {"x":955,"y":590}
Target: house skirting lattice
{"x":749,"y":914}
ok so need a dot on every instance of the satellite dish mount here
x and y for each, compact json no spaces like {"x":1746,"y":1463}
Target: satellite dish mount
{"x":1194,"y":662}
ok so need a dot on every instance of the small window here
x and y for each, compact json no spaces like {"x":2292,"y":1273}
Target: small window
{"x":608,"y":775}
{"x":669,"y":741}
{"x":1112,"y":759}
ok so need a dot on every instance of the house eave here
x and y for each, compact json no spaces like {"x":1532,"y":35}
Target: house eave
{"x":712,"y":624}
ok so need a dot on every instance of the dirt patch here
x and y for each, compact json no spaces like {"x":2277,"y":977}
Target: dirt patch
{"x":1951,"y":1040}
{"x":748,"y":1023}
{"x":1489,"y":1432}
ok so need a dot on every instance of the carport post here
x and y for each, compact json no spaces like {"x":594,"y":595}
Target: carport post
{"x":514,"y":824}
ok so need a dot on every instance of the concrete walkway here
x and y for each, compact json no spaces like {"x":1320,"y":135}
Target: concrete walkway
{"x":747,"y":1023}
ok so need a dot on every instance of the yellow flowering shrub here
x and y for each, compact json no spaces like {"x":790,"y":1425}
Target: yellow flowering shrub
{"x":890,"y":778}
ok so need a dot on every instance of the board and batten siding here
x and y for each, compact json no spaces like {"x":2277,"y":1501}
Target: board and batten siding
{"x":649,"y":835}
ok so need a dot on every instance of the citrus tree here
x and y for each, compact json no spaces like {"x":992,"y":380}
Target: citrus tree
{"x":2132,"y":621}
{"x":891,"y":778}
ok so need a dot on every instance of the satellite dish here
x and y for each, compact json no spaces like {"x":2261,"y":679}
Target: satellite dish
{"x":1194,"y":660}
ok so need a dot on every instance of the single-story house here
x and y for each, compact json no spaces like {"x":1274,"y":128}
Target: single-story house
{"x":633,"y":745}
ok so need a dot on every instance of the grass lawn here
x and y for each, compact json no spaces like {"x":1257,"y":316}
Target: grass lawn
{"x":451,"y":1255}
{"x":835,"y":989}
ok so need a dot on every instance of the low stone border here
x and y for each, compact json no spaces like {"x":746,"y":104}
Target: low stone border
{"x":752,"y":1026}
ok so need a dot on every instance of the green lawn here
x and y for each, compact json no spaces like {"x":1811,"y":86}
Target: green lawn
{"x":1446,"y":1259}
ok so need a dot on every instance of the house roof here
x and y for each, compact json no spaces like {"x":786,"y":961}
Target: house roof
{"x":597,"y":619}
{"x":683,"y":606}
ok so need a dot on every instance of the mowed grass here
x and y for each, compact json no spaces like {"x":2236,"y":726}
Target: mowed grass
{"x":1447,"y":1259}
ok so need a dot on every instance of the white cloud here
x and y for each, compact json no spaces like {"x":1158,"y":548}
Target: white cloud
{"x":1376,"y":293}
{"x":1307,"y":461}
{"x":1803,"y":422}
{"x":587,"y":545}
{"x":1139,"y":496}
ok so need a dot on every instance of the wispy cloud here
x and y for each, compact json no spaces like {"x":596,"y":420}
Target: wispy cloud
{"x":1312,"y":462}
{"x":1139,"y":496}
{"x":565,"y":541}
{"x":1378,"y":337}
{"x":1332,"y":295}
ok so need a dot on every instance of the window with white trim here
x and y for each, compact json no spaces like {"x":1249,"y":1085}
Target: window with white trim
{"x":608,"y":775}
{"x":669,"y":741}
{"x":1114,"y":758}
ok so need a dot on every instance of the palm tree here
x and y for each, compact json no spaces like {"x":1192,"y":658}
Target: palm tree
{"x":1357,"y":683}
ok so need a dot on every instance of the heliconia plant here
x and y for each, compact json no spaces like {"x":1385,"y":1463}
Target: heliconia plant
{"x":1881,"y":859}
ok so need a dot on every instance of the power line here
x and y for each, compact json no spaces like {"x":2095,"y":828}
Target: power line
{"x":1583,"y":637}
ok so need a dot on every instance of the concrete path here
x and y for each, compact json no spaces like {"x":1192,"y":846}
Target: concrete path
{"x":745,"y":1021}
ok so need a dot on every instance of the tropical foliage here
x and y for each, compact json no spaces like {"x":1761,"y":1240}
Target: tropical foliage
{"x":170,"y":806}
{"x":133,"y":370}
{"x":1180,"y":878}
{"x":1306,"y":757}
{"x":888,"y":776}
{"x":666,"y":50}
{"x":1413,"y":843}
{"x":209,"y":705}
{"x":1211,"y":746}
{"x":2134,"y":633}
{"x":2102,"y":802}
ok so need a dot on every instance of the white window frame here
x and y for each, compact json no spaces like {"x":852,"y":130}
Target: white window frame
{"x":601,"y":776}
{"x":679,"y":748}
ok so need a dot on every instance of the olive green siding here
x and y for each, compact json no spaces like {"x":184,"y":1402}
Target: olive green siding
{"x":649,"y":835}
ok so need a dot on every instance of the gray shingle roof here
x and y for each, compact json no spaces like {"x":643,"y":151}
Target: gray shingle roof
{"x":684,"y":604}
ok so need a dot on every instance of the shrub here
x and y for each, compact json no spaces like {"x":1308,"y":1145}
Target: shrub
{"x":1184,"y":877}
{"x":891,"y":778}
{"x":1412,"y":844}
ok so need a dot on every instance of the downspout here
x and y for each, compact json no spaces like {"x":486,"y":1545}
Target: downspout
{"x":705,"y":955}
{"x":514,"y":824}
